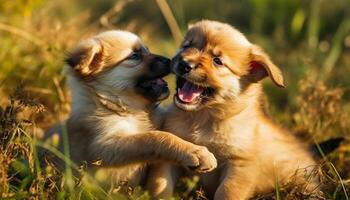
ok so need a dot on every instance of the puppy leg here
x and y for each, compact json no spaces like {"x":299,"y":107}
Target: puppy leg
{"x":238,"y":183}
{"x":162,"y":180}
{"x":153,"y":146}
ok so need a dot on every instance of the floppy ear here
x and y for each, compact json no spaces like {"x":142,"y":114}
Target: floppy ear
{"x":86,"y":58}
{"x":262,"y":66}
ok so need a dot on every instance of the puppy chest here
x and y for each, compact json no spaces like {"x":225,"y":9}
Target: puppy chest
{"x":120,"y":126}
{"x":226,"y":143}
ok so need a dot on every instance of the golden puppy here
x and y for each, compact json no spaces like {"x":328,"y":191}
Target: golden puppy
{"x":116,"y":85}
{"x":218,"y":105}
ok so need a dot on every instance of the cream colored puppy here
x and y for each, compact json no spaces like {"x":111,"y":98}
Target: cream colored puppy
{"x":218,"y":105}
{"x":116,"y":85}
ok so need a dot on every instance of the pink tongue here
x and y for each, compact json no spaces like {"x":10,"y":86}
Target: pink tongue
{"x":189,"y":92}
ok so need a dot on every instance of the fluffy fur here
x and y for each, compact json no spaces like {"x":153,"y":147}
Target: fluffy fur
{"x":253,"y":153}
{"x":111,"y":118}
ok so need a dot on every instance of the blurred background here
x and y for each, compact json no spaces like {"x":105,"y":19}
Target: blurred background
{"x":309,"y":40}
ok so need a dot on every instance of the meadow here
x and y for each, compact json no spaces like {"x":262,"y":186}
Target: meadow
{"x":309,"y":40}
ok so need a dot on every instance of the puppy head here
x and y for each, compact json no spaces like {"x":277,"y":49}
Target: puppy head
{"x":117,"y":61}
{"x":215,"y":63}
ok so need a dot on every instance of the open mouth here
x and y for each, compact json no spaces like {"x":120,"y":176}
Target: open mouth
{"x":155,"y":89}
{"x":190,"y":95}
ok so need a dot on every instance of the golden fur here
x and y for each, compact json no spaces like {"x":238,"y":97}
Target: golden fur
{"x":111,"y":121}
{"x":253,"y":153}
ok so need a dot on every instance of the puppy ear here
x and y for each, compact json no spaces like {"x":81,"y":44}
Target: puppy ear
{"x":86,"y":58}
{"x":262,"y":66}
{"x":189,"y":26}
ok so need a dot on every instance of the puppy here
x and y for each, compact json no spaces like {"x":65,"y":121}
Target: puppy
{"x":116,"y":85}
{"x":218,"y":105}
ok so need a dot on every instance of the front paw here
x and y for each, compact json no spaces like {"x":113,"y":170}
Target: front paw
{"x":201,"y":160}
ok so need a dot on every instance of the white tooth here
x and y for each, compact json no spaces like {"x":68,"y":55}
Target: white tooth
{"x":181,"y":96}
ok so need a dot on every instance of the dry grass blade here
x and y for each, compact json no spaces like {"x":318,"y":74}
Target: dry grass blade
{"x":105,"y":18}
{"x":341,"y":181}
{"x":21,"y":33}
{"x":68,"y":162}
{"x":170,"y":19}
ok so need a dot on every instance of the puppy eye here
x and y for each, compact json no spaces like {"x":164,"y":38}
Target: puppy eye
{"x":135,"y":56}
{"x":186,"y":45}
{"x":217,"y":61}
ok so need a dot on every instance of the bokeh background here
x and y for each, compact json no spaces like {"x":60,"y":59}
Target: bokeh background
{"x":309,"y":40}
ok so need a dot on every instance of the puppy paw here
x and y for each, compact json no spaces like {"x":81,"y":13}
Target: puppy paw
{"x":201,"y":160}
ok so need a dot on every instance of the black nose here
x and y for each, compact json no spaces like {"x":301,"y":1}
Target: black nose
{"x":161,"y":65}
{"x":184,"y":67}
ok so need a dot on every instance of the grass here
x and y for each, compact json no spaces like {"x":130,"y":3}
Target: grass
{"x":310,"y":41}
